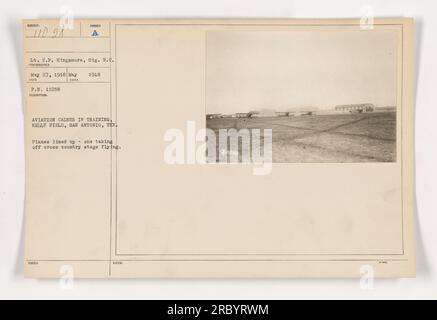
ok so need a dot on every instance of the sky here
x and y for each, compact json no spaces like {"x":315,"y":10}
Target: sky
{"x":291,"y":69}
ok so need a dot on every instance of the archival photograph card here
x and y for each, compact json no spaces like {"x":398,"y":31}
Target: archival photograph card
{"x":219,"y":148}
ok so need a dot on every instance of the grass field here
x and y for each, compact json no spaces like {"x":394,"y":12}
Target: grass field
{"x":359,"y":137}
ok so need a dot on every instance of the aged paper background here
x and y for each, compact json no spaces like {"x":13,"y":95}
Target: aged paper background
{"x":126,"y":213}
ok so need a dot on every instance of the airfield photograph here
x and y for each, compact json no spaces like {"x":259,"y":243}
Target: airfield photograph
{"x":335,"y":137}
{"x":326,"y":96}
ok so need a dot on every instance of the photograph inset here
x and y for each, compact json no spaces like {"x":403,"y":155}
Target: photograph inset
{"x":326,"y":96}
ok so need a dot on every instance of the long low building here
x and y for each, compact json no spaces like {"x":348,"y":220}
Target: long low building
{"x":351,"y":108}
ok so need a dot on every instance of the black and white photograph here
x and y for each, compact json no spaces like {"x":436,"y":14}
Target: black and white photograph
{"x":328,"y":96}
